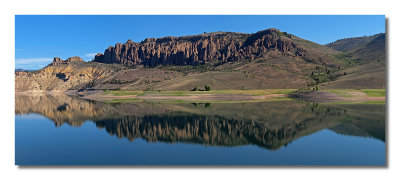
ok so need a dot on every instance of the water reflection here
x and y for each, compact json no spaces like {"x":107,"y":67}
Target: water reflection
{"x":266,"y":124}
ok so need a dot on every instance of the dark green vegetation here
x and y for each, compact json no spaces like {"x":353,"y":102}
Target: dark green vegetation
{"x":267,"y":124}
{"x":207,"y":88}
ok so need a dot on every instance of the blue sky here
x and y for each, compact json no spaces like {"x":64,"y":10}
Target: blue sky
{"x":39,"y":38}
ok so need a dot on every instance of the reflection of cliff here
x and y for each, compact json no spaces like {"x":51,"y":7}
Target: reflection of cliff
{"x":268,"y":124}
{"x":61,"y":109}
{"x":207,"y":130}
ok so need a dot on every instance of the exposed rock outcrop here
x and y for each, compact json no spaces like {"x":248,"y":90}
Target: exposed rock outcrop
{"x":75,"y":59}
{"x":197,"y":49}
{"x":60,"y":75}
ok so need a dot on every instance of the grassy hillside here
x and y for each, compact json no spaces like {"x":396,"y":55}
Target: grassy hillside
{"x":361,"y":77}
{"x":278,"y":72}
{"x":349,"y":44}
{"x":374,"y":51}
{"x":366,"y":67}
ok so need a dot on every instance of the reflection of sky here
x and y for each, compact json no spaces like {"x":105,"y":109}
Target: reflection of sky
{"x":38,"y":141}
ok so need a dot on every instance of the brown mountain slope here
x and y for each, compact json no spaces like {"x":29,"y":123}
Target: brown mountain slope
{"x":263,"y":60}
{"x":266,"y":59}
{"x":349,"y":44}
{"x":373,"y":51}
{"x":368,"y":66}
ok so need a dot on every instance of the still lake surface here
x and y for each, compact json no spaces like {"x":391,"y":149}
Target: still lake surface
{"x":65,"y":130}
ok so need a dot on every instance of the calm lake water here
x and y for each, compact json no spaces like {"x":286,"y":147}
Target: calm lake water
{"x":64,"y":130}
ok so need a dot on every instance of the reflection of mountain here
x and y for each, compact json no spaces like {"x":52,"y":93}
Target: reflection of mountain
{"x":267,"y":124}
{"x":364,"y":120}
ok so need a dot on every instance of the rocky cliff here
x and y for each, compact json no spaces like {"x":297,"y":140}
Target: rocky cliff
{"x":208,"y":47}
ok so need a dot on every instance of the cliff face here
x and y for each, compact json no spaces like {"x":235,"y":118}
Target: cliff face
{"x":191,"y":50}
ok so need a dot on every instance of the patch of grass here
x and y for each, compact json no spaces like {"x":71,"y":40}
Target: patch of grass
{"x":217,"y":101}
{"x":257,"y":92}
{"x":130,"y":100}
{"x":356,"y":102}
{"x":340,"y":92}
{"x":369,"y":92}
{"x":174,"y":93}
{"x":375,"y":92}
{"x":124,"y":93}
{"x":375,"y":102}
{"x":188,"y":93}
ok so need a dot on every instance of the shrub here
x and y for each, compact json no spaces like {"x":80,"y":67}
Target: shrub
{"x":195,"y":88}
{"x":207,"y":87}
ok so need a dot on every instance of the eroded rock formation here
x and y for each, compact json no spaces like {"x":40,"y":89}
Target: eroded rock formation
{"x":197,"y":49}
{"x":60,"y":75}
{"x":75,"y":59}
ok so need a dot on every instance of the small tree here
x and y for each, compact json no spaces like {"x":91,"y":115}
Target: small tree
{"x":207,"y":87}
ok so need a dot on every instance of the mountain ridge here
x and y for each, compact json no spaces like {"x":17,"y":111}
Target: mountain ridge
{"x":210,"y":47}
{"x":348,"y":44}
{"x":225,"y":60}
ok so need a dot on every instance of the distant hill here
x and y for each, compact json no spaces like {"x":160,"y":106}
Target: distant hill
{"x":369,"y":66}
{"x":23,"y":70}
{"x":349,"y":44}
{"x":373,"y":51}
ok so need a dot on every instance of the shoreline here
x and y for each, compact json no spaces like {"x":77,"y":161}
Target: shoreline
{"x":322,"y":96}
